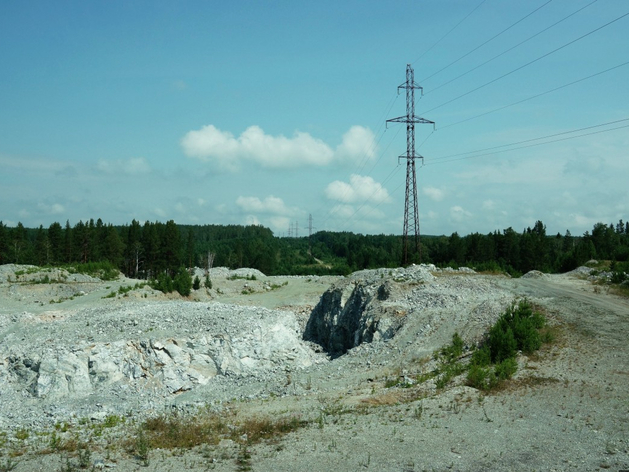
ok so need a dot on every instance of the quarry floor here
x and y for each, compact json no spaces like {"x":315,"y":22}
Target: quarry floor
{"x":567,"y":408}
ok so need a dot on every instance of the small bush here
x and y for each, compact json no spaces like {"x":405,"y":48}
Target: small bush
{"x":482,"y":378}
{"x":454,"y":350}
{"x":506,"y":369}
{"x":517,"y":329}
{"x":183,"y":282}
{"x":481,"y":357}
{"x":495,"y":361}
{"x":196,"y":285}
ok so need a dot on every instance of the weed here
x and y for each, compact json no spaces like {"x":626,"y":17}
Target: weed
{"x":68,"y":466}
{"x":418,"y":411}
{"x":55,"y":441}
{"x":243,"y":460}
{"x":7,"y":465}
{"x":85,"y":456}
{"x":22,"y":434}
{"x":113,"y":420}
{"x":142,"y":447}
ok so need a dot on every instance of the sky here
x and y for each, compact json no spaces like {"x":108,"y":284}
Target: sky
{"x":274,"y":113}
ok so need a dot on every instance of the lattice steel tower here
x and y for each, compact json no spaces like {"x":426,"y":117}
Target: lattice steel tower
{"x":411,"y":221}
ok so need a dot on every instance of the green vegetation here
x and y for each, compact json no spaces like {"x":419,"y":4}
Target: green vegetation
{"x":151,"y":249}
{"x":182,"y":282}
{"x":518,"y":329}
{"x":241,"y":277}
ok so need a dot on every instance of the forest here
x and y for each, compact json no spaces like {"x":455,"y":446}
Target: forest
{"x":146,"y":250}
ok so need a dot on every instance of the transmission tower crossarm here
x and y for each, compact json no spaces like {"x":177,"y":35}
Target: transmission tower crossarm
{"x":413,"y":119}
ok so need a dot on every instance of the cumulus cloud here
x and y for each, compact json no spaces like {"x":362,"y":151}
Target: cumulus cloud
{"x":459,"y":214}
{"x":346,"y":212}
{"x":489,"y":205}
{"x":272,"y":205}
{"x":222,"y":148}
{"x":133,"y":166}
{"x":359,"y":189}
{"x":358,"y":143}
{"x":434,"y":193}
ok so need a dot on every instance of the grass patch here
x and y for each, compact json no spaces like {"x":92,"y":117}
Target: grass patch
{"x":102,"y":270}
{"x":186,"y":432}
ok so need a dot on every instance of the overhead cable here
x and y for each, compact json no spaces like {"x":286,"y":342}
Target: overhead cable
{"x":486,"y":42}
{"x":494,"y":150}
{"x":451,"y":30}
{"x":432,"y":89}
{"x":535,"y":96}
{"x":529,"y":63}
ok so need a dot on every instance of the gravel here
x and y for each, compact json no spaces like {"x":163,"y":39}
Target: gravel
{"x":86,"y":357}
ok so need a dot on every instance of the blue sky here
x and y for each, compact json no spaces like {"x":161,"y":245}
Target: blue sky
{"x":267,"y":112}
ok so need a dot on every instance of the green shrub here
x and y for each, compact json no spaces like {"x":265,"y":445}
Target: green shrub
{"x":481,"y":357}
{"x":163,"y":283}
{"x":482,"y":378}
{"x":506,"y":369}
{"x":517,"y":329}
{"x":502,"y":344}
{"x":183,"y":282}
{"x":196,"y":285}
{"x":454,"y":350}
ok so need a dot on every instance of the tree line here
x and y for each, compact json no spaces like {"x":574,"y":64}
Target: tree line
{"x":146,"y":250}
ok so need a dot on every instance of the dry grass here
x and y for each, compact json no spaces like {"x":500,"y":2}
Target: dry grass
{"x":619,"y":290}
{"x":387,"y":398}
{"x":173,"y":431}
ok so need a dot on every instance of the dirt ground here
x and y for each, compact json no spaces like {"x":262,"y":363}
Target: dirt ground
{"x":567,"y":408}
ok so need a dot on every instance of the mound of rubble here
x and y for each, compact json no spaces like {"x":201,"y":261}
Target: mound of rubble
{"x":134,"y":354}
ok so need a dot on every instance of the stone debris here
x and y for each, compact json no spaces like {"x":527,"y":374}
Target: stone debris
{"x":138,"y":354}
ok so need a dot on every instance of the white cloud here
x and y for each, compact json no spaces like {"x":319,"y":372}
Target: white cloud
{"x":359,"y":189}
{"x":209,"y":144}
{"x":279,"y":223}
{"x":434,"y":193}
{"x":160,"y":212}
{"x":270,"y":204}
{"x":358,"y":143}
{"x":458,"y":214}
{"x":133,"y":166}
{"x":489,"y":205}
{"x":252,"y":220}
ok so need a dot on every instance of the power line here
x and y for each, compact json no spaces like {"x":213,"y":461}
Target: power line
{"x":444,"y":159}
{"x":451,"y":30}
{"x":535,"y":96}
{"x":433,"y":89}
{"x":486,"y":42}
{"x":528,"y":63}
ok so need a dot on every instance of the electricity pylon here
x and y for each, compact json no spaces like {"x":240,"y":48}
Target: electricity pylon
{"x":411,"y":221}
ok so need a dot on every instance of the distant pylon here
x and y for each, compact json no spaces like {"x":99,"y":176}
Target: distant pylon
{"x":411,"y":221}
